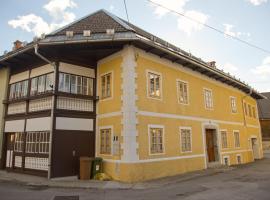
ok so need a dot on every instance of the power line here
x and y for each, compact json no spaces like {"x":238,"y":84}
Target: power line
{"x":126,"y":10}
{"x":211,"y":27}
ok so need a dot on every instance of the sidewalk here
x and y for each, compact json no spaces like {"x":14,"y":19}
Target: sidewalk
{"x":36,"y":181}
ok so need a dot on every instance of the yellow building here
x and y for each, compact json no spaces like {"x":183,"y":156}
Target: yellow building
{"x":154,"y":109}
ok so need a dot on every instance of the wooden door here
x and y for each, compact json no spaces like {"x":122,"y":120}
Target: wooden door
{"x":210,"y":144}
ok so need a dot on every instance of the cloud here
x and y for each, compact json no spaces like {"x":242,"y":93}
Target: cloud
{"x":229,"y":31}
{"x":229,"y":68}
{"x":257,"y":2}
{"x":111,"y":7}
{"x":176,"y":5}
{"x":263,"y":70}
{"x":57,"y":9}
{"x":184,"y":24}
{"x":188,"y":25}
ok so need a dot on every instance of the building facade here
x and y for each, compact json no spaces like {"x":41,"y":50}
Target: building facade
{"x":103,"y":87}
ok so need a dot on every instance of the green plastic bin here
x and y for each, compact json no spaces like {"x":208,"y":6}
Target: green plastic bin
{"x":96,"y":167}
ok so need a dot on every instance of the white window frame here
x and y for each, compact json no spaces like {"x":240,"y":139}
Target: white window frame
{"x":112,"y":83}
{"x":224,"y":130}
{"x":223,"y":160}
{"x":180,"y":133}
{"x":160,"y":98}
{"x":112,"y":135}
{"x":178,"y":81}
{"x":236,"y":131}
{"x":233,"y":109}
{"x":149,"y":138}
{"x":241,"y":159}
{"x":205,"y":100}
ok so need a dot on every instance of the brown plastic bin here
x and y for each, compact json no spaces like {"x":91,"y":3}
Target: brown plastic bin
{"x":85,"y":168}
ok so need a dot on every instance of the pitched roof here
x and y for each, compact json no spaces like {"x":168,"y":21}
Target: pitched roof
{"x":264,"y":106}
{"x":102,"y":20}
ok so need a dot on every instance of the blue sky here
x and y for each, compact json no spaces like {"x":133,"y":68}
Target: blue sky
{"x":245,"y":19}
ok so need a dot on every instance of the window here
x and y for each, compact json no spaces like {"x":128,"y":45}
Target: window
{"x":185,"y":139}
{"x":37,"y":142}
{"x":154,"y":85}
{"x":41,"y":84}
{"x":249,"y":110}
{"x":224,"y":139}
{"x":75,"y":84}
{"x":233,"y":104}
{"x":245,"y":108}
{"x":254,"y":112}
{"x":236,"y":139}
{"x":182,"y":92}
{"x":238,"y":159}
{"x":18,"y":143}
{"x":18,"y":90}
{"x":105,"y":141}
{"x":208,"y":99}
{"x":106,"y":85}
{"x":156,"y":140}
{"x":226,"y":160}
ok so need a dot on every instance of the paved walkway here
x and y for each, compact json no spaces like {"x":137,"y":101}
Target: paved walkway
{"x":246,"y":182}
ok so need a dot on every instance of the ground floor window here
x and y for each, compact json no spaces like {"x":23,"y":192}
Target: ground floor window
{"x":18,"y":142}
{"x":224,"y":139}
{"x":156,"y":140}
{"x":37,"y":142}
{"x":236,"y":139}
{"x":105,"y":141}
{"x":185,"y":139}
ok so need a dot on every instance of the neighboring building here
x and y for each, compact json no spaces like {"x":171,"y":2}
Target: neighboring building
{"x":4,"y":75}
{"x":114,"y":91}
{"x":264,"y":115}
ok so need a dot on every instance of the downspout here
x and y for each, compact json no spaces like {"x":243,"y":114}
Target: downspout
{"x":52,"y":109}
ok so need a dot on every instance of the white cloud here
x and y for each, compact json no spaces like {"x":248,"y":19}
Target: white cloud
{"x":188,"y":25}
{"x":183,"y":23}
{"x":30,"y":23}
{"x":176,"y":5}
{"x":263,"y":70}
{"x":229,"y":31}
{"x":257,"y":2}
{"x":229,"y":68}
{"x":111,"y":7}
{"x":57,"y":9}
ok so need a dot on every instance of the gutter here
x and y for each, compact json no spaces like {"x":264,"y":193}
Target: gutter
{"x":52,"y":109}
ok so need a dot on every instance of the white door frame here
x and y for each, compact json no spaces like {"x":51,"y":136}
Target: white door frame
{"x":214,"y":126}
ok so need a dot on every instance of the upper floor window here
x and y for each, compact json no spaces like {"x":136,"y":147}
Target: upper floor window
{"x":249,"y":110}
{"x":41,"y":84}
{"x":154,"y":85}
{"x":156,"y":140}
{"x":253,"y":112}
{"x":208,"y":99}
{"x":224,"y":139}
{"x":106,"y":84}
{"x":245,"y":108}
{"x":236,"y":139}
{"x":182,"y":90}
{"x":18,"y":90}
{"x":185,"y":139}
{"x":233,"y":104}
{"x":75,"y":84}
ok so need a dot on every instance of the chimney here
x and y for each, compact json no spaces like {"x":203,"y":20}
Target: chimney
{"x":212,"y":64}
{"x":17,"y":45}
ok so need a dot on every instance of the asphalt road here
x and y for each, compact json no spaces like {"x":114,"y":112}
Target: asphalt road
{"x":247,"y":182}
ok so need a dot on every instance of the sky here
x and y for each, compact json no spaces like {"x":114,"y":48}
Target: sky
{"x":244,"y":19}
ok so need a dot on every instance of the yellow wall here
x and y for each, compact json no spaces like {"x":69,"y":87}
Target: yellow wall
{"x":4,"y":75}
{"x":170,"y":114}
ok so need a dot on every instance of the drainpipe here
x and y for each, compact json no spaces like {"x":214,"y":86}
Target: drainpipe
{"x":52,"y":109}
